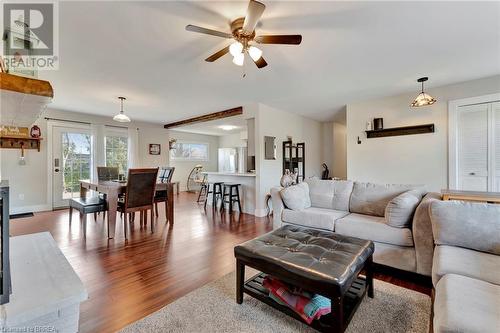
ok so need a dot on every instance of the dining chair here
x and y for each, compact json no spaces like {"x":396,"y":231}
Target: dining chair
{"x":139,"y":195}
{"x":86,"y":206}
{"x":107,"y":173}
{"x":165,"y":176}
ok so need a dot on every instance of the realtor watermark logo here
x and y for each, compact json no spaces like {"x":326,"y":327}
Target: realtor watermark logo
{"x":30,"y":36}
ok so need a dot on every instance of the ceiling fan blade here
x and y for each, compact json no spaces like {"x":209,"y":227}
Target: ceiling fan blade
{"x":206,"y":31}
{"x":279,"y":39}
{"x":218,"y":54}
{"x":260,"y":62}
{"x":254,"y":13}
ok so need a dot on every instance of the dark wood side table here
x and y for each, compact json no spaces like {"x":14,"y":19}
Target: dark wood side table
{"x":318,"y":261}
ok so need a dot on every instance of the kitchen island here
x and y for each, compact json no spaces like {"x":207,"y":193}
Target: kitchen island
{"x":247,"y":188}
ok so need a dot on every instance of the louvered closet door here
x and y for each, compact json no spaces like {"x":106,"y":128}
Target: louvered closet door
{"x":495,"y":110}
{"x":473,"y":147}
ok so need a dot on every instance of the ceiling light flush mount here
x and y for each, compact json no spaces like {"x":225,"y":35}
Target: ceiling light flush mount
{"x":423,"y":99}
{"x":121,"y":117}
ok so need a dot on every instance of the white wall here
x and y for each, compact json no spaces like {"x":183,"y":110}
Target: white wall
{"x":231,"y":141}
{"x":335,"y":148}
{"x":31,"y":180}
{"x":411,"y":159}
{"x":183,"y":168}
{"x":301,"y":129}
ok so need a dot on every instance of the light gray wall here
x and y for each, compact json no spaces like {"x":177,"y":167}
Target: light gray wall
{"x":411,"y":159}
{"x":231,"y":141}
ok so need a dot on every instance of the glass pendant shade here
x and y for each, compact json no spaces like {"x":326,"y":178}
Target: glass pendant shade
{"x":235,"y":48}
{"x":255,"y":53}
{"x":121,"y":117}
{"x":423,"y":99}
{"x":239,"y":59}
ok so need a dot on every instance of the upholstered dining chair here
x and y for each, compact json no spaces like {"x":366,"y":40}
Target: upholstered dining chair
{"x":139,"y":195}
{"x":164,"y":176}
{"x":107,"y":173}
{"x":86,"y":206}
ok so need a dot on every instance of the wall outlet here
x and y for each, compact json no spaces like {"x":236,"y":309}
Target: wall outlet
{"x":21,"y":196}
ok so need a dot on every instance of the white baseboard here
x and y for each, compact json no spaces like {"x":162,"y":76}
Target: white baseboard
{"x":260,"y":212}
{"x":28,"y":209}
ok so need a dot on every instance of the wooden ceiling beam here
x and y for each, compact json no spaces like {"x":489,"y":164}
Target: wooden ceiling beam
{"x":25,"y":85}
{"x":207,"y":117}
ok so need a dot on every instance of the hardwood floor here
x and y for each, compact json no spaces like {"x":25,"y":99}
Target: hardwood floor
{"x":129,"y":280}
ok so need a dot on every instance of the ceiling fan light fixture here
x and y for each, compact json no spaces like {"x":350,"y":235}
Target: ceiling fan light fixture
{"x":423,"y":99}
{"x":239,"y":59}
{"x":121,"y":117}
{"x":255,"y":53}
{"x":235,"y":48}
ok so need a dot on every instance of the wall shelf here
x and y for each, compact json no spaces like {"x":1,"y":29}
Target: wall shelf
{"x":18,"y":143}
{"x":396,"y":131}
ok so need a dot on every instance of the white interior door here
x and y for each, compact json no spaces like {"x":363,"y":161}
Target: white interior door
{"x":71,"y":162}
{"x":473,"y":155}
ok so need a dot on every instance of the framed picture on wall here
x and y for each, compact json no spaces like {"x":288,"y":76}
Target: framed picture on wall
{"x":154,"y":149}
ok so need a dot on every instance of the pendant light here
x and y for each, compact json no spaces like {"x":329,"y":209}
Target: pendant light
{"x":423,"y":99}
{"x":121,"y":117}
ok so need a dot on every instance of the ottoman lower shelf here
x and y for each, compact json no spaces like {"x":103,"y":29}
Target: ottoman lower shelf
{"x":352,"y":299}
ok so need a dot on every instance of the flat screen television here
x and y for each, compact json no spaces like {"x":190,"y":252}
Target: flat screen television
{"x":5,"y":286}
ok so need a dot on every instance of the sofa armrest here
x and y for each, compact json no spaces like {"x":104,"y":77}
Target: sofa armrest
{"x":278,"y":206}
{"x":422,"y":234}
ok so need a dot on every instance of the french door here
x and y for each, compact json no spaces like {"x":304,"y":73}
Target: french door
{"x":71,"y":162}
{"x":478,"y":147}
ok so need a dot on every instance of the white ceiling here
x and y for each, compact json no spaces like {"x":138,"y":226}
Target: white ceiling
{"x":214,"y":127}
{"x":350,"y":51}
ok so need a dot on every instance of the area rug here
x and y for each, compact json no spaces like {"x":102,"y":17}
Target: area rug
{"x":212,"y":308}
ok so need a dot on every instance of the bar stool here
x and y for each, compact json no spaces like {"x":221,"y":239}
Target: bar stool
{"x":216,"y":191}
{"x":232,"y":192}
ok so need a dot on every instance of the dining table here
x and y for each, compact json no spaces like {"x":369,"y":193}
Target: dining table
{"x":112,"y":190}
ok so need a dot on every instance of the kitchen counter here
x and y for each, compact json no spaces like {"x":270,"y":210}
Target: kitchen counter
{"x":236,"y":174}
{"x":247,"y":189}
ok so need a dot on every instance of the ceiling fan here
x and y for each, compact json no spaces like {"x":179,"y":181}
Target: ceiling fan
{"x":243,"y":32}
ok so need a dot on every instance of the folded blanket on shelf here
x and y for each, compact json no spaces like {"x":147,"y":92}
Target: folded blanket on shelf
{"x":309,"y":307}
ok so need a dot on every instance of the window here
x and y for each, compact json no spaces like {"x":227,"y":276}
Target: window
{"x":117,"y":152}
{"x":189,"y":151}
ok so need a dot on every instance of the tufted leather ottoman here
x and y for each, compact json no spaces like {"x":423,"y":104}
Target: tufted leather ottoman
{"x":318,"y":261}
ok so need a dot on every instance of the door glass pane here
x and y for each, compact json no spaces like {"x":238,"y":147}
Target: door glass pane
{"x":76,"y":159}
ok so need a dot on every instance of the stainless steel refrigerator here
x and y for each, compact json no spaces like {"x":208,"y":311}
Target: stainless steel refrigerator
{"x":233,"y":160}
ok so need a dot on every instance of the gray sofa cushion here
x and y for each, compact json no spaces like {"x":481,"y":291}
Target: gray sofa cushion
{"x":296,"y":197}
{"x":402,"y":257}
{"x":463,"y":304}
{"x":313,"y":217}
{"x":333,"y":194}
{"x":373,"y":228}
{"x":399,"y":211}
{"x":471,"y":225}
{"x":371,"y":199}
{"x":457,"y":260}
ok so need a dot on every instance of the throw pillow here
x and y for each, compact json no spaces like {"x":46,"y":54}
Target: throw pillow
{"x":296,"y":197}
{"x":399,"y":211}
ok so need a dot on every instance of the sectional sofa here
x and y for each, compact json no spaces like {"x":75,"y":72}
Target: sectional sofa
{"x":466,"y":269}
{"x":402,"y":235}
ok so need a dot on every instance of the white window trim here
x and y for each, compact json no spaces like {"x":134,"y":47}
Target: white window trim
{"x":192,"y":159}
{"x":453,"y":132}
